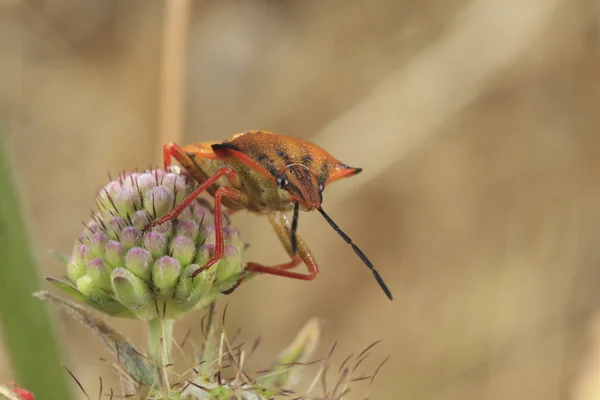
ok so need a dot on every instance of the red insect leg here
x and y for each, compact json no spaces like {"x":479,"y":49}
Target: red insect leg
{"x":172,"y":150}
{"x":237,"y":197}
{"x":284,"y":233}
{"x":168,"y":150}
{"x":191,"y":197}
{"x":292,"y":264}
{"x":304,"y":254}
{"x":282,"y":230}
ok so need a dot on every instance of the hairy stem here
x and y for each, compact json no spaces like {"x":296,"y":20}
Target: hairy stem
{"x":160,"y":343}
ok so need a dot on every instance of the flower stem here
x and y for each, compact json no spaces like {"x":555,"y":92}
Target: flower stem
{"x":160,"y":343}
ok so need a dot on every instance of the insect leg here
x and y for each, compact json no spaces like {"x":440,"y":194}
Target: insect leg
{"x":236,"y":196}
{"x":283,"y":230}
{"x":304,"y":254}
{"x":191,"y":197}
{"x":173,"y":150}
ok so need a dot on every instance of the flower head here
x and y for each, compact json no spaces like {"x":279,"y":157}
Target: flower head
{"x":118,"y":269}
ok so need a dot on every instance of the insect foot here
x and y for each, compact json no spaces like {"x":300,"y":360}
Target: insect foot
{"x":117,"y":268}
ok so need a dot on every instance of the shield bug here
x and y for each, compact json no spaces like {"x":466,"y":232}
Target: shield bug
{"x":270,"y":174}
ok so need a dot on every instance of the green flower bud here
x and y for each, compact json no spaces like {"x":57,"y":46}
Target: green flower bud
{"x":165,"y":275}
{"x":145,"y":182}
{"x":81,"y":254}
{"x":130,"y":237}
{"x":138,"y":261}
{"x":126,"y":200}
{"x":156,"y":243}
{"x":117,"y":268}
{"x":159,"y":201}
{"x":208,"y":234}
{"x":191,"y":289}
{"x":228,"y":268}
{"x":75,"y":269}
{"x":133,"y":293}
{"x":114,"y":226}
{"x":165,"y":228}
{"x":204,"y":253}
{"x":185,"y":285}
{"x":140,"y":219}
{"x":97,"y":243}
{"x":113,"y":253}
{"x":183,"y":249}
{"x":203,"y":215}
{"x":189,"y":228}
{"x":99,"y":273}
{"x":86,"y":286}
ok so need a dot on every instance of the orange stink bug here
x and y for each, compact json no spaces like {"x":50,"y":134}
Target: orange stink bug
{"x":265,"y":173}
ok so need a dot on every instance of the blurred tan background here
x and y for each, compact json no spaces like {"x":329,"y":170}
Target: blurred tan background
{"x":476,"y":122}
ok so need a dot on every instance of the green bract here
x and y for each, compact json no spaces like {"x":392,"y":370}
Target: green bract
{"x":120,"y":270}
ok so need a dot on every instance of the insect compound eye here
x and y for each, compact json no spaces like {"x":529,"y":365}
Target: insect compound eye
{"x":282,"y":181}
{"x":321,"y":187}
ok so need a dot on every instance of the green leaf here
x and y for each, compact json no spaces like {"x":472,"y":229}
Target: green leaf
{"x":138,"y":367}
{"x":29,"y":336}
{"x":108,"y":306}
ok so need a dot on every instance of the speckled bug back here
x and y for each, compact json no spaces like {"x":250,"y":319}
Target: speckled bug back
{"x":273,"y":152}
{"x":305,"y":167}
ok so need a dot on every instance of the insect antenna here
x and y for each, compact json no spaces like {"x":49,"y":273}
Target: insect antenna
{"x":358,"y":251}
{"x":295,"y":228}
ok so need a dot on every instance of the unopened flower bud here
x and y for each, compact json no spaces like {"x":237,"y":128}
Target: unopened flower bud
{"x":75,"y":269}
{"x":130,"y":237}
{"x":183,"y":249}
{"x":97,"y":243}
{"x":178,"y":185}
{"x":204,"y":254}
{"x":191,"y":289}
{"x":82,"y":254}
{"x":156,"y":243}
{"x":99,"y":273}
{"x":165,"y":274}
{"x":119,"y":269}
{"x":145,"y":182}
{"x":126,"y":201}
{"x":133,"y":293}
{"x":209,"y":233}
{"x":159,"y":201}
{"x":114,"y":226}
{"x":229,"y":265}
{"x":140,"y":219}
{"x":113,"y":253}
{"x":138,"y":261}
{"x":188,"y":228}
{"x":203,"y":215}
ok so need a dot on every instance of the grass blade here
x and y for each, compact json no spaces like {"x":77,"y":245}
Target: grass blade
{"x":29,"y":336}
